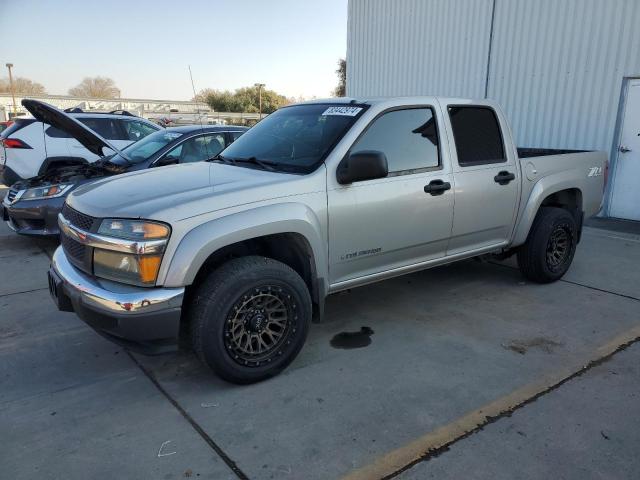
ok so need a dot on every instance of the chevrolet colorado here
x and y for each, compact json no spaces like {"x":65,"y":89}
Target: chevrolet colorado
{"x":238,"y":254}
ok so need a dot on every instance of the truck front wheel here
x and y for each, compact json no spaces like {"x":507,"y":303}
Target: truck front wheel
{"x":550,"y":246}
{"x":250,"y":318}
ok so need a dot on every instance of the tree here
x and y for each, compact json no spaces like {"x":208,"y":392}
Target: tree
{"x":244,"y":99}
{"x":341,"y":89}
{"x":21,"y":85}
{"x":96,"y":87}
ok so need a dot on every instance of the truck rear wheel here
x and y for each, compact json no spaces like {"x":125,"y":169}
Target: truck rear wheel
{"x":550,"y":246}
{"x":250,"y":319}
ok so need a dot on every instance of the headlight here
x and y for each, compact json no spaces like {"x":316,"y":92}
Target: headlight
{"x":131,"y":268}
{"x":126,"y":267}
{"x":133,"y":229}
{"x":52,"y":191}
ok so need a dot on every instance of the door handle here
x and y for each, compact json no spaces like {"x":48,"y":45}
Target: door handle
{"x":623,"y":149}
{"x":504,"y":177}
{"x":437,"y":187}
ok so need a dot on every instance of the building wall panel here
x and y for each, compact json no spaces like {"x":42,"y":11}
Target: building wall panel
{"x":411,"y":47}
{"x":556,"y":66}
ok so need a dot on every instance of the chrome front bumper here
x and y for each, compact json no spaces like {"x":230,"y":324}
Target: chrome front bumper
{"x":145,"y":319}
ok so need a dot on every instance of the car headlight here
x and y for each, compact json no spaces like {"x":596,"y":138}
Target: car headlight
{"x":51,"y":191}
{"x":132,"y":268}
{"x":133,"y":229}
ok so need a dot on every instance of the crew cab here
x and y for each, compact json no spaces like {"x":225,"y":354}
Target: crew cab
{"x":239,"y":253}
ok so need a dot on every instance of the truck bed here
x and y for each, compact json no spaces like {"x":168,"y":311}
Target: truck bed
{"x":526,"y":152}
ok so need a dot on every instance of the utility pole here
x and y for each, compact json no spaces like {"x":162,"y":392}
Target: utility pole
{"x":259,"y":85}
{"x":13,"y":93}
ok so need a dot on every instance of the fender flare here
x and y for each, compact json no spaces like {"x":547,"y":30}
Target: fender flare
{"x":565,"y":180}
{"x":205,"y":239}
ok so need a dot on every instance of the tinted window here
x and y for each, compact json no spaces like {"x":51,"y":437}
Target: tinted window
{"x":407,"y":137}
{"x":105,"y":127}
{"x":477,"y":135}
{"x":235,"y":136}
{"x":55,"y":133}
{"x":136,"y":129}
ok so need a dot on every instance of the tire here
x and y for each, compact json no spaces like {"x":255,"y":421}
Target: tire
{"x":550,"y":246}
{"x":244,"y":306}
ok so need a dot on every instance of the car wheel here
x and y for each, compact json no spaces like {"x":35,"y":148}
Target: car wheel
{"x":250,"y":318}
{"x":550,"y":246}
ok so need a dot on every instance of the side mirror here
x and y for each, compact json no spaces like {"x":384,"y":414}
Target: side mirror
{"x":164,"y":161}
{"x":362,"y":165}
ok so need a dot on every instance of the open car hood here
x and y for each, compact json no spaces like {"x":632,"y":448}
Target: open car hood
{"x":46,"y":113}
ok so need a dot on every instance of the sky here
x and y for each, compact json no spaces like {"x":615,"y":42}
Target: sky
{"x":146,"y":46}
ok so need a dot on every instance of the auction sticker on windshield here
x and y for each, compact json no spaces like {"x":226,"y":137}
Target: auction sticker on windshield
{"x":347,"y":111}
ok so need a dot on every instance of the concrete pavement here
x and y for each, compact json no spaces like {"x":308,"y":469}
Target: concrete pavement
{"x":446,"y":342}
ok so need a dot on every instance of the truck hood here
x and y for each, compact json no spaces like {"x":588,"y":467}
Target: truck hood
{"x":176,"y":192}
{"x":46,"y":113}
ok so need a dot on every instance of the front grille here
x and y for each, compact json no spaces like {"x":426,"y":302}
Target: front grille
{"x":74,"y":250}
{"x":77,"y":253}
{"x":77,"y":219}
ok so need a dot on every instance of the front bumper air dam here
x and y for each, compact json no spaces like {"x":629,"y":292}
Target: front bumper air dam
{"x":145,"y":320}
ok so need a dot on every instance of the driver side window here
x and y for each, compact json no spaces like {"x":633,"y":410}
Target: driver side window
{"x":407,"y":137}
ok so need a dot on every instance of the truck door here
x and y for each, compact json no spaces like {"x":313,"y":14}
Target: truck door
{"x":387,"y":223}
{"x":487,"y":182}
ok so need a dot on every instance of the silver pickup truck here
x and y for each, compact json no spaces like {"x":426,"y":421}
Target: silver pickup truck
{"x":237,"y":255}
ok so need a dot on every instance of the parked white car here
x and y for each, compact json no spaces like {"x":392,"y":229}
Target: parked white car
{"x":29,"y":148}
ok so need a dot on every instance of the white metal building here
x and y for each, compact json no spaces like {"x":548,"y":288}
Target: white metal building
{"x":566,"y":72}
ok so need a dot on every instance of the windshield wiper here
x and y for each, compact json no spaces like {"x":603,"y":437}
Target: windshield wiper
{"x":223,"y":159}
{"x":266,"y":165}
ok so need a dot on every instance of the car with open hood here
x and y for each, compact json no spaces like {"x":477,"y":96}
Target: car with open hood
{"x":31,"y":206}
{"x":29,"y":147}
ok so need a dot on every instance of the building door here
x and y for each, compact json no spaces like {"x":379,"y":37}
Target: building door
{"x":625,"y":196}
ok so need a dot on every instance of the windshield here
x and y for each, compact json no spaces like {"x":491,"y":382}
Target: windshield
{"x":151,"y":144}
{"x":297,"y":138}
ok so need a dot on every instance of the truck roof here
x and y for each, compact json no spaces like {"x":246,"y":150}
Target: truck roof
{"x":403,"y":100}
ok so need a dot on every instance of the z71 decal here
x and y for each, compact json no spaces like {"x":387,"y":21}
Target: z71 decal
{"x":594,"y":172}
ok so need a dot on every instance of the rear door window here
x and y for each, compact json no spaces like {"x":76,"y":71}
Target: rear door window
{"x":477,"y":135}
{"x":235,"y":136}
{"x":56,"y":133}
{"x":105,"y":127}
{"x":135,"y":129}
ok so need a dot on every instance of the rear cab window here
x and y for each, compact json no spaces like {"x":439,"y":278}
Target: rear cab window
{"x":477,"y":135}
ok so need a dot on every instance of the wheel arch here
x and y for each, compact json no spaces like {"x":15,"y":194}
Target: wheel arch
{"x":289,"y":233}
{"x":554,"y":191}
